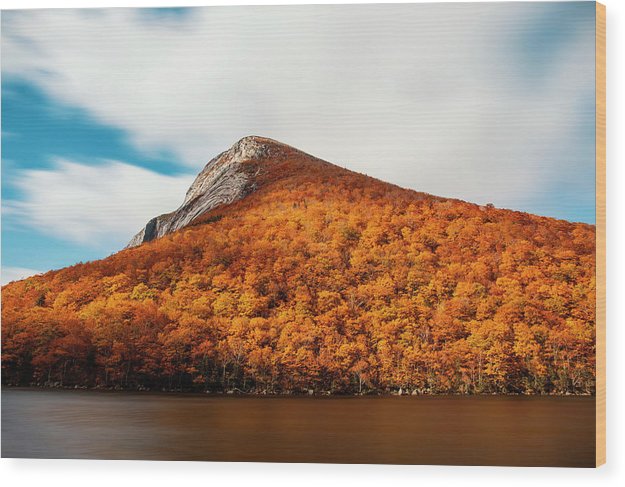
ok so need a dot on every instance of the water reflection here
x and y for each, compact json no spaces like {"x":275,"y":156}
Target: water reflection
{"x":533,"y":431}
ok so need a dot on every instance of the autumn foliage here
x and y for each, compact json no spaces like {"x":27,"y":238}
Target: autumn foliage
{"x":321,"y":279}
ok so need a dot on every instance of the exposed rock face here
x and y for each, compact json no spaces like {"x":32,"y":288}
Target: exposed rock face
{"x":225,"y":179}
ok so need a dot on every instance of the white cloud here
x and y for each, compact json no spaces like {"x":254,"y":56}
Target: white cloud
{"x":10,"y":274}
{"x":100,"y":206}
{"x":447,"y":99}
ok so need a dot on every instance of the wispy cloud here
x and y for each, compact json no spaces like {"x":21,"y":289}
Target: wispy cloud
{"x":93,"y":205}
{"x":10,"y":274}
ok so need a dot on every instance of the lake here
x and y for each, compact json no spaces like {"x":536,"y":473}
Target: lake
{"x":446,"y":430}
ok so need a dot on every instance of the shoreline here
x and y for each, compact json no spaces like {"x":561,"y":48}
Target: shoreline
{"x":239,"y":393}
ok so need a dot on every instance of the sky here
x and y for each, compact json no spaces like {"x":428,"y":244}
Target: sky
{"x":109,"y":114}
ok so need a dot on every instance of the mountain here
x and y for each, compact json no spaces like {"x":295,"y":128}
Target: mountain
{"x":247,"y":166}
{"x":281,"y":272}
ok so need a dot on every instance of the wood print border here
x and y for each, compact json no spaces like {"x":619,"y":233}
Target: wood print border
{"x":600,"y":161}
{"x":599,"y":443}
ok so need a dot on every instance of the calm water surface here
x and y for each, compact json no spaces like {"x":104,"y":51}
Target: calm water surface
{"x":487,"y":430}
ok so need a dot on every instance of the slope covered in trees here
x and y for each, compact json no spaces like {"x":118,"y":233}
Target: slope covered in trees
{"x":320,"y":279}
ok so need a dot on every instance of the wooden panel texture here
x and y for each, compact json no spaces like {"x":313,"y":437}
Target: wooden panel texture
{"x":600,"y":93}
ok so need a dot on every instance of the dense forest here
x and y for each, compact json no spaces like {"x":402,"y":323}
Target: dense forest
{"x":320,"y":280}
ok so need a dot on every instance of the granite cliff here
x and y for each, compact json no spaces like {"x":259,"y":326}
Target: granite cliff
{"x":226,"y":178}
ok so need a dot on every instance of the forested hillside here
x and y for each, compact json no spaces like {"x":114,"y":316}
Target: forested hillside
{"x":320,"y":279}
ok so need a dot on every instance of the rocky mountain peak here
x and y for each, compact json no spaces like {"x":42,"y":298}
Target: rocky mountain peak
{"x":226,"y":178}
